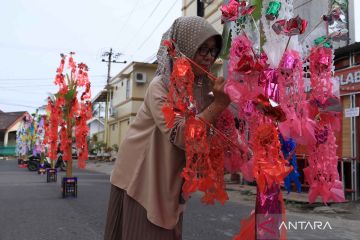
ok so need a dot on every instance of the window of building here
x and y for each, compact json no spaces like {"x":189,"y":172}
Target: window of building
{"x":128,"y":89}
{"x":342,"y":62}
{"x":357,"y":58}
{"x":113,"y":127}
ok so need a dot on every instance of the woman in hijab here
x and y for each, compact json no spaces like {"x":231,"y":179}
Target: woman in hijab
{"x":145,"y":198}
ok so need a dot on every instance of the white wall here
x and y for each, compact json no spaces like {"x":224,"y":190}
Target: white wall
{"x":95,"y":127}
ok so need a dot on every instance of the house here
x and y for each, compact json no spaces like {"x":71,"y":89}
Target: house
{"x":9,"y":124}
{"x":127,"y":94}
{"x":96,"y":127}
{"x":209,"y":9}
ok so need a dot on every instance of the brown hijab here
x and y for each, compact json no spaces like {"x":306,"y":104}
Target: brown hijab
{"x":189,"y":33}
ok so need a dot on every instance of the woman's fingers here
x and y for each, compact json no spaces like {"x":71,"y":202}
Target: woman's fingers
{"x":219,"y":84}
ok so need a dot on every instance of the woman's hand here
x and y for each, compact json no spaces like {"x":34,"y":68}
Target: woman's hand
{"x":220,"y":97}
{"x":221,"y":101}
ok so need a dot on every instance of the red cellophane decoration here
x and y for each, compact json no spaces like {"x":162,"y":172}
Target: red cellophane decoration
{"x":204,"y":170}
{"x":269,"y":165}
{"x":233,"y":156}
{"x":67,"y":111}
{"x":180,"y":91}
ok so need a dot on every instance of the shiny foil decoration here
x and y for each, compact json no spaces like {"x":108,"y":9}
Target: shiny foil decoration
{"x":291,"y":27}
{"x":247,"y":10}
{"x":263,"y":104}
{"x":204,"y":170}
{"x":320,"y":73}
{"x":321,"y":134}
{"x":272,"y":11}
{"x":336,"y":20}
{"x":324,"y":41}
{"x":180,"y":95}
{"x":322,"y":174}
{"x":230,"y":11}
{"x":290,"y":78}
{"x":244,"y":71}
{"x":269,"y":166}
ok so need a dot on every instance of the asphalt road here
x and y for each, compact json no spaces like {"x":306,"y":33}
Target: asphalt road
{"x":31,"y":209}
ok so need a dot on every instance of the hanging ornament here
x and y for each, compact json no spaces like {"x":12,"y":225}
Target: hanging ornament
{"x":269,"y":166}
{"x":291,"y":27}
{"x":272,"y":11}
{"x":230,"y":11}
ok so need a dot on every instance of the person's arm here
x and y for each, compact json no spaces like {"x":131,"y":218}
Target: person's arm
{"x":155,"y":99}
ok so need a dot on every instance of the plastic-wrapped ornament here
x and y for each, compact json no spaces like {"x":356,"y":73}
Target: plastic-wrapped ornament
{"x":272,"y":11}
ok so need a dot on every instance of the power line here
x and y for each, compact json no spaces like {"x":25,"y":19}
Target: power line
{"x":132,"y":11}
{"x":148,"y":59}
{"x":147,"y":38}
{"x":146,"y":20}
{"x":18,"y":105}
{"x":42,"y":85}
{"x":42,"y":78}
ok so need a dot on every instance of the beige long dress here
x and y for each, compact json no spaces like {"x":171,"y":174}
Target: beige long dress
{"x":145,"y":200}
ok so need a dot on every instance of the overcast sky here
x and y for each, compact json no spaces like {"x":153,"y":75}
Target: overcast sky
{"x":35,"y":32}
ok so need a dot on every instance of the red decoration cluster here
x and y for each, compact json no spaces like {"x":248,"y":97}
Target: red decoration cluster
{"x":269,"y":165}
{"x":204,"y":170}
{"x":180,"y":96}
{"x":67,"y":112}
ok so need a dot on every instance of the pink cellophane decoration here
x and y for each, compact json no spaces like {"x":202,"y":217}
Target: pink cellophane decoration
{"x":320,"y":70}
{"x":322,"y":174}
{"x":230,"y":11}
{"x":243,"y":71}
{"x":233,"y":159}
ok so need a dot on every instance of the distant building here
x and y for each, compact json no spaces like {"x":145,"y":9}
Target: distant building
{"x":347,"y":75}
{"x":9,"y":124}
{"x":127,"y":94}
{"x":96,"y":127}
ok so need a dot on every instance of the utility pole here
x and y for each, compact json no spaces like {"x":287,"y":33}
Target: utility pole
{"x":200,"y":8}
{"x":111,"y":58}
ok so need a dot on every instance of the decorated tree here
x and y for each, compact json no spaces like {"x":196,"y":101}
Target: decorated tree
{"x":68,"y":111}
{"x":266,"y":83}
{"x":39,"y":134}
{"x":24,"y":137}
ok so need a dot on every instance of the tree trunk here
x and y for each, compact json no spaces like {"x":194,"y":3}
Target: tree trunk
{"x":69,"y":162}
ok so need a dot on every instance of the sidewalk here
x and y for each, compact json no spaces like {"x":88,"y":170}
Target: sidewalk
{"x":295,"y":202}
{"x":100,"y":166}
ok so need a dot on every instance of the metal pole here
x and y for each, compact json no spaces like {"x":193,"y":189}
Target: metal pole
{"x":353,"y":150}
